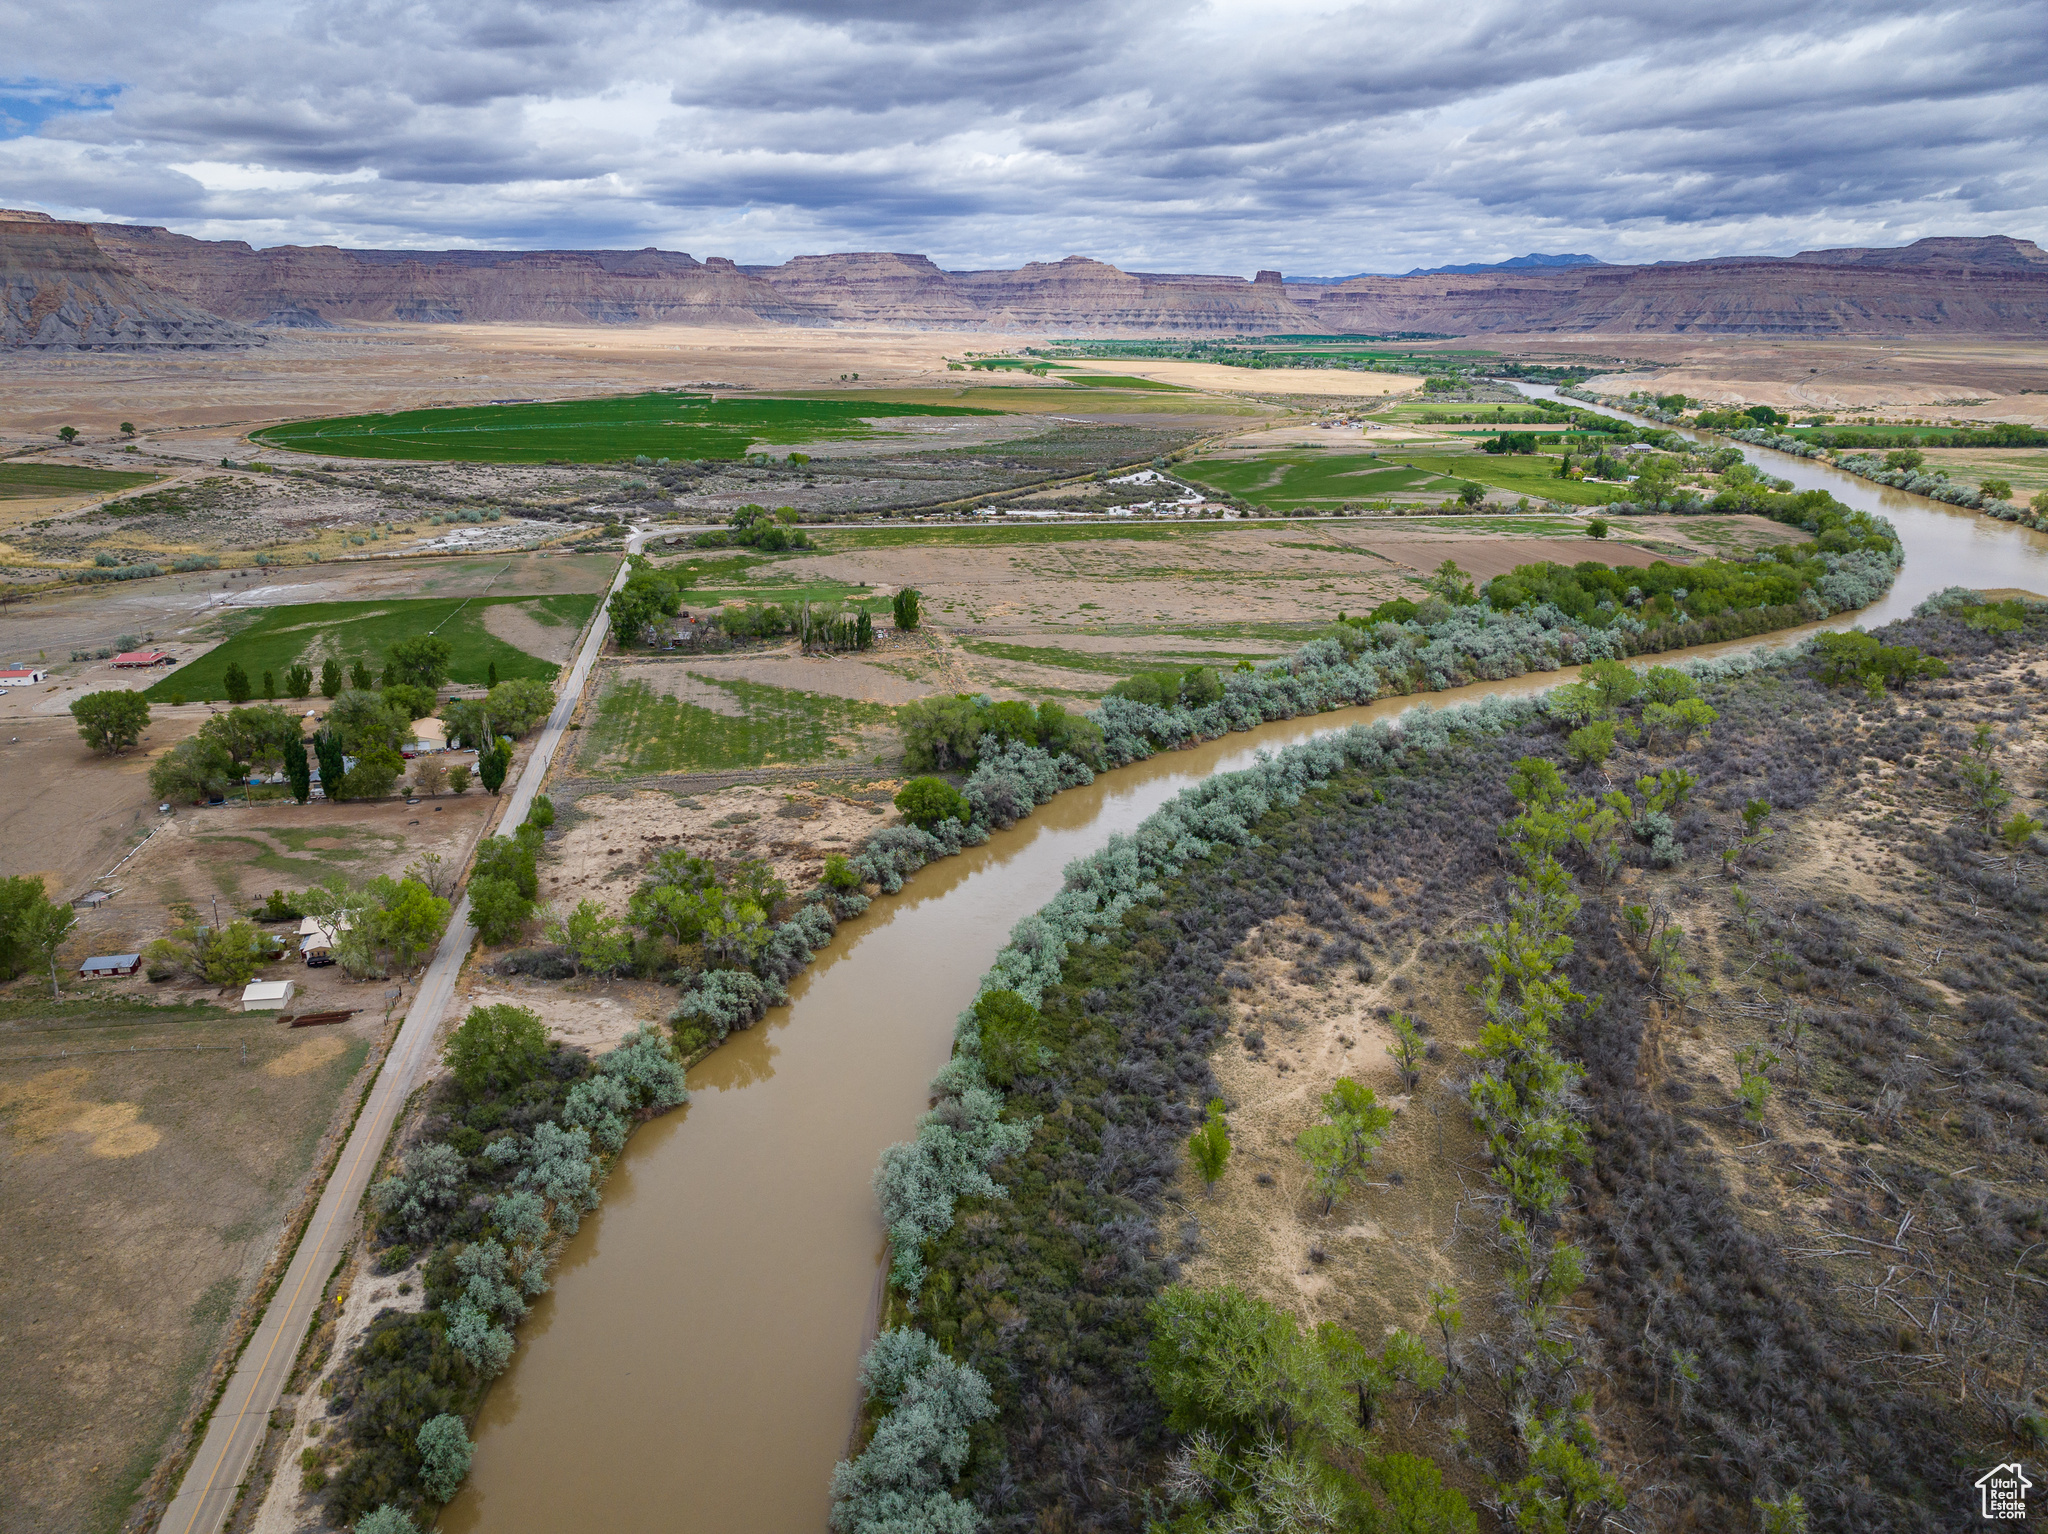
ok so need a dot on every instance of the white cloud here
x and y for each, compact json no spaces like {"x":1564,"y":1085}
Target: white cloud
{"x":1316,"y":136}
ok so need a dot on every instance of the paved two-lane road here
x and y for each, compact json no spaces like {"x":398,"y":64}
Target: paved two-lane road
{"x":239,"y":1423}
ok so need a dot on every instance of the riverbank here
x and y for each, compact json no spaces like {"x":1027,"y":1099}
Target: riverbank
{"x":778,"y":1115}
{"x":1932,"y":483}
{"x":1032,"y":1179}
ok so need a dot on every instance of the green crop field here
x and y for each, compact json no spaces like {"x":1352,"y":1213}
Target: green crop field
{"x":1309,"y":477}
{"x":276,"y":637}
{"x":787,"y":594}
{"x":658,"y":425}
{"x":1052,"y":399}
{"x":1118,"y":381}
{"x":638,"y":730}
{"x":1530,"y":474}
{"x":23,"y":481}
{"x":1109,"y":664}
{"x":1434,"y":412}
{"x":1058,"y":532}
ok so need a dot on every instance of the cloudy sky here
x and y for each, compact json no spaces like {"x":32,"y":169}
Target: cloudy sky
{"x":1319,"y":138}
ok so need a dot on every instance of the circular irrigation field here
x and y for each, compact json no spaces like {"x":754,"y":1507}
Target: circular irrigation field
{"x":663,"y":424}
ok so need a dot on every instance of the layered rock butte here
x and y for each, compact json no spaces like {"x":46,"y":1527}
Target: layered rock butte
{"x":69,"y":284}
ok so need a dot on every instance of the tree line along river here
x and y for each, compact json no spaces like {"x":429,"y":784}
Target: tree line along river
{"x":693,"y":1368}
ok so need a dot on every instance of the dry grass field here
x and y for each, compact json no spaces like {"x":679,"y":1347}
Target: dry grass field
{"x":1981,"y":378}
{"x":148,"y":1156}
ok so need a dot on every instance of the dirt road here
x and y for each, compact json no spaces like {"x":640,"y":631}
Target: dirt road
{"x":240,"y":1422}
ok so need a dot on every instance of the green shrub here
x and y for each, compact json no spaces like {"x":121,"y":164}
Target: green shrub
{"x":411,"y":701}
{"x":444,"y":1455}
{"x":497,"y":1049}
{"x":497,"y":907}
{"x":1591,"y":744}
{"x":927,"y":801}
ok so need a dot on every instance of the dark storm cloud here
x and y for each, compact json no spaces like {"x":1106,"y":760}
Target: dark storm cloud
{"x":1325,"y":138}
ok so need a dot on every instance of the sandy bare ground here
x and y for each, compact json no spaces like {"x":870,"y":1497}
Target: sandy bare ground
{"x":1329,"y":382}
{"x":142,"y":1194}
{"x":1932,"y":374}
{"x":589,"y":1014}
{"x":613,"y":835}
{"x":692,"y":679}
{"x":1243,"y":572}
{"x":69,"y":815}
{"x":1368,"y":1262}
{"x":389,"y":367}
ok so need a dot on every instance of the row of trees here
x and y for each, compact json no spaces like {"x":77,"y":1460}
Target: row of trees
{"x":421,"y":661}
{"x":521,"y":1132}
{"x":949,"y":734}
{"x":359,"y":747}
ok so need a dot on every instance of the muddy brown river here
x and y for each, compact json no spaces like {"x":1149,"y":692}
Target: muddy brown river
{"x":693,"y":1368}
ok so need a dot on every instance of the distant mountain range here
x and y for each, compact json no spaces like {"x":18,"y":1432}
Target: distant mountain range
{"x":1513,"y":264}
{"x":126,"y":285}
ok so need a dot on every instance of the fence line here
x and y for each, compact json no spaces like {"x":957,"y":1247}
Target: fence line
{"x":132,"y":1049}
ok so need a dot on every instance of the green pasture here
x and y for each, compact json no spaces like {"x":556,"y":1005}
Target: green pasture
{"x":276,"y":637}
{"x":1417,"y":409}
{"x":1034,"y":399}
{"x":1305,"y":477}
{"x":638,"y":730}
{"x":1113,"y":665}
{"x":657,"y":425}
{"x":26,"y":481}
{"x":786,"y":594}
{"x":1118,"y":381}
{"x":1849,"y":434}
{"x":1532,"y":524}
{"x":1055,"y":532}
{"x":1530,"y":474}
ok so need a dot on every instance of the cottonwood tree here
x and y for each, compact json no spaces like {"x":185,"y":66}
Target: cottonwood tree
{"x":497,"y":1049}
{"x":1340,"y":1149}
{"x":1210,"y":1146}
{"x":1407,"y":1050}
{"x":39,"y":927}
{"x":596,"y":941}
{"x":418,"y":662}
{"x":112,"y":721}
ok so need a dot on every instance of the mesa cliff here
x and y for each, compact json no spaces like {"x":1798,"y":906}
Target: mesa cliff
{"x":133,"y":285}
{"x":59,"y":288}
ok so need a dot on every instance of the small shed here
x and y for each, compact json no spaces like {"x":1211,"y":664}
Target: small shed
{"x":139,"y":658}
{"x":21,"y":676}
{"x":267,"y":996}
{"x":102,"y":964}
